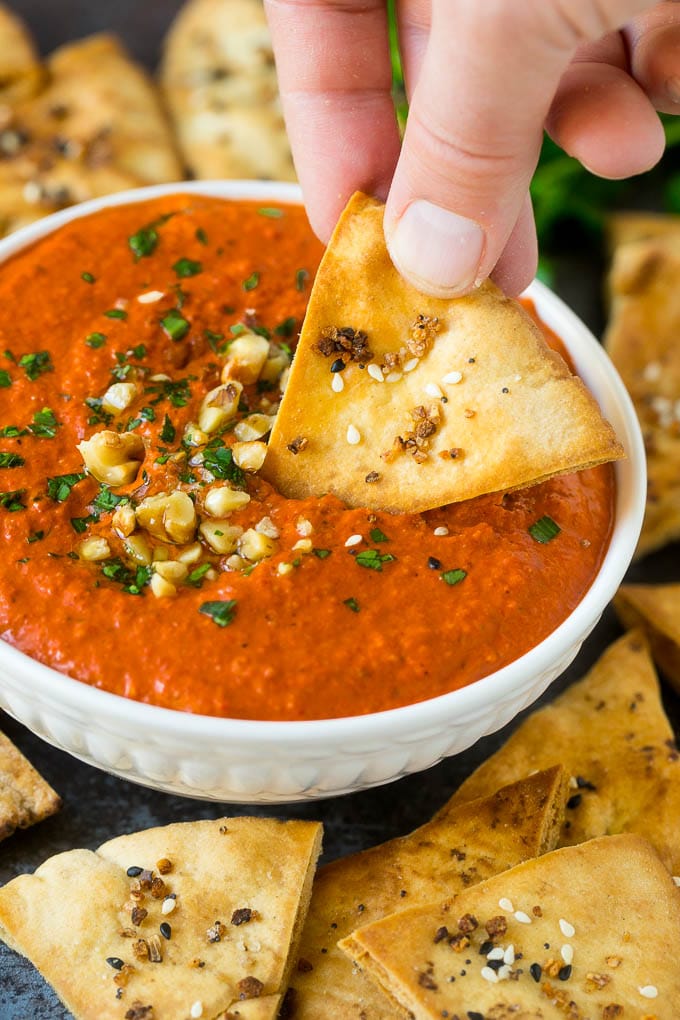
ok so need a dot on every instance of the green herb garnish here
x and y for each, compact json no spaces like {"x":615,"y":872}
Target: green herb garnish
{"x":286,"y":328}
{"x":10,"y":460}
{"x":273,"y":214}
{"x":36,"y":364}
{"x":5,"y":379}
{"x":35,"y":536}
{"x":378,"y":536}
{"x":177,"y":391}
{"x":301,"y":277}
{"x":45,"y":424}
{"x":221,"y":613}
{"x":454,"y":576}
{"x":115,"y":313}
{"x":372,"y":559}
{"x":321,"y":554}
{"x":143,"y":243}
{"x":59,"y":487}
{"x":12,"y":431}
{"x":544,"y":530}
{"x":252,"y":281}
{"x":215,"y":341}
{"x":168,"y":432}
{"x":237,"y":329}
{"x":352,"y":604}
{"x":79,"y":524}
{"x":87,"y":277}
{"x":175,"y":325}
{"x":195,"y":578}
{"x":187,"y":267}
{"x":219,"y":460}
{"x":99,"y":416}
{"x":201,"y":236}
{"x":105,"y":501}
{"x":95,"y":340}
{"x":12,"y":501}
{"x":132,"y":580}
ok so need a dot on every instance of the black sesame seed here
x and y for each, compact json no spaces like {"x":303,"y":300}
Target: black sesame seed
{"x":166,"y":930}
{"x":445,"y":400}
{"x":471,"y":361}
{"x":494,"y":964}
{"x":505,"y":390}
{"x":565,"y":973}
{"x":402,"y":893}
{"x":584,"y":784}
{"x":334,"y":924}
{"x":485,"y":948}
{"x":546,"y":945}
{"x":468,"y":962}
{"x":574,"y":801}
{"x":119,"y":993}
{"x":536,"y":970}
{"x":463,"y":973}
{"x":433,"y":563}
{"x":115,"y":962}
{"x":475,"y":1016}
{"x":134,"y":872}
{"x":360,"y":908}
{"x":338,"y":365}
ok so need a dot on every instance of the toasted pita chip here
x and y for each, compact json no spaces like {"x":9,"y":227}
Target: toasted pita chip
{"x":219,"y":80}
{"x":241,"y":887}
{"x":465,"y":845}
{"x":486,"y":407}
{"x":590,"y":929}
{"x":624,"y":227}
{"x":655,"y":608}
{"x":20,"y":70}
{"x":97,"y":127}
{"x":25,"y":797}
{"x":642,"y":341}
{"x":611,"y":734}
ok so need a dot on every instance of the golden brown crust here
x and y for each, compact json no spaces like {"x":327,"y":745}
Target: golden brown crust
{"x":463,"y":845}
{"x":25,"y":797}
{"x":219,"y":81}
{"x":655,"y":608}
{"x":488,"y":407}
{"x":74,"y":918}
{"x":20,"y":71}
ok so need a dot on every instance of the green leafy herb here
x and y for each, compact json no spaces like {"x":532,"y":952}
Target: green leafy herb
{"x":372,"y":559}
{"x":10,"y":460}
{"x":221,"y":613}
{"x":168,"y":432}
{"x":187,"y":267}
{"x":544,"y":530}
{"x":201,"y":236}
{"x":181,"y":295}
{"x":12,"y":431}
{"x":87,"y":277}
{"x":5,"y":379}
{"x":99,"y":416}
{"x":215,"y":341}
{"x":10,"y":357}
{"x":237,"y":329}
{"x":147,"y":414}
{"x":454,"y":576}
{"x":177,"y":391}
{"x":137,"y":352}
{"x":12,"y":501}
{"x":105,"y":501}
{"x":36,"y":364}
{"x":59,"y":487}
{"x":378,"y":536}
{"x":95,"y":340}
{"x":143,"y":243}
{"x":45,"y":424}
{"x":131,"y":579}
{"x":195,"y":578}
{"x":301,"y":277}
{"x":115,"y":313}
{"x":79,"y":524}
{"x":175,"y":325}
{"x":321,"y":554}
{"x":219,"y":460}
{"x":286,"y":328}
{"x":273,"y":214}
{"x":352,"y":604}
{"x":252,"y":281}
{"x":35,"y":536}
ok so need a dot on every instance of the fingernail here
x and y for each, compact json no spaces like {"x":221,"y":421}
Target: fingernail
{"x":436,"y":250}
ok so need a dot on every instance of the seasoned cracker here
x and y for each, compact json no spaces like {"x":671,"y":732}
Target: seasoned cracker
{"x":25,"y":797}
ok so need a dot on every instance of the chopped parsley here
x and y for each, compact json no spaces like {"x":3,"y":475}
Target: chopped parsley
{"x":99,"y":416}
{"x":187,"y":267}
{"x":12,"y":501}
{"x":219,"y":460}
{"x":87,"y":277}
{"x":115,"y":313}
{"x":79,"y":524}
{"x":168,"y":432}
{"x":10,"y":460}
{"x":105,"y":501}
{"x":215,"y":341}
{"x":378,"y":536}
{"x":175,"y":325}
{"x":95,"y":340}
{"x":201,"y":236}
{"x":59,"y":487}
{"x":12,"y":431}
{"x":132,"y":580}
{"x":352,"y":604}
{"x":137,"y":352}
{"x":252,"y":281}
{"x":286,"y":328}
{"x":271,"y":213}
{"x":454,"y":576}
{"x":5,"y":379}
{"x":544,"y":530}
{"x":221,"y":613}
{"x":45,"y":424}
{"x":35,"y":536}
{"x":301,"y":277}
{"x":143,"y":243}
{"x":237,"y":329}
{"x":177,"y":391}
{"x":321,"y":554}
{"x":195,"y":578}
{"x":372,"y":559}
{"x":36,"y":364}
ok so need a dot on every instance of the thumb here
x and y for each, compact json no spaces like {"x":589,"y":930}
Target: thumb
{"x":474,"y":133}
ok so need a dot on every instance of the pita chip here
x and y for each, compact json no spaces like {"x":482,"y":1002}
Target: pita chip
{"x":25,"y":797}
{"x":629,"y":225}
{"x":154,"y":923}
{"x":611,"y":734}
{"x":586,"y":933}
{"x":641,"y":339}
{"x":20,"y":70}
{"x":403,"y":402}
{"x":463,"y":846}
{"x":219,"y":80}
{"x":656,"y":609}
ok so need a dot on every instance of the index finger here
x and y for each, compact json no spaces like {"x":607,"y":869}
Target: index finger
{"x":335,"y":78}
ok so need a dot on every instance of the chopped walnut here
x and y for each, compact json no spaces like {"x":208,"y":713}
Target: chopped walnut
{"x":427,"y":981}
{"x":145,"y":879}
{"x":216,"y":931}
{"x":127,"y":933}
{"x":417,"y":440}
{"x":612,"y":1011}
{"x":155,"y":949}
{"x":297,"y":445}
{"x":497,"y":926}
{"x":139,"y":1012}
{"x":348,"y":343}
{"x":467,"y":923}
{"x":459,"y":943}
{"x":137,"y":915}
{"x":613,"y":961}
{"x":140,"y":949}
{"x":595,"y":981}
{"x":423,"y":332}
{"x":242,"y":915}
{"x":304,"y":966}
{"x":123,"y":976}
{"x":441,"y":934}
{"x":552,"y":967}
{"x":164,"y":866}
{"x":158,"y":889}
{"x":250,"y":988}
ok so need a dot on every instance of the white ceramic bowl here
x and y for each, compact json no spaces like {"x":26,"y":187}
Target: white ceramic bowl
{"x":266,"y":762}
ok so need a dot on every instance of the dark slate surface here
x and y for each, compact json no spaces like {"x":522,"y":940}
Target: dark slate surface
{"x":98,"y":806}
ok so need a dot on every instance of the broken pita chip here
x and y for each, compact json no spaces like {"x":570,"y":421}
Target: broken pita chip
{"x":25,"y":797}
{"x":629,"y":225}
{"x":584,"y":932}
{"x":219,"y":80}
{"x":611,"y":734}
{"x":641,"y":340}
{"x":20,"y":71}
{"x":201,"y":912}
{"x":469,"y":843}
{"x":409,"y":402}
{"x":656,"y":609}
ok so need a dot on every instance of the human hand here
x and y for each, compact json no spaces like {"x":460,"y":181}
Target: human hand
{"x":483,"y":78}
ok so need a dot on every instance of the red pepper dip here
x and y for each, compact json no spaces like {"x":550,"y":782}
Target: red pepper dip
{"x":145,"y":348}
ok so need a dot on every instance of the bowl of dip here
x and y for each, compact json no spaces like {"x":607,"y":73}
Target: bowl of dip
{"x":169,"y":617}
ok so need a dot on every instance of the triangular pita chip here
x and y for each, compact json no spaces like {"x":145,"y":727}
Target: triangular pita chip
{"x":655,"y":608}
{"x":642,"y":341}
{"x":25,"y":797}
{"x":473,"y":401}
{"x":20,"y":70}
{"x":631,"y":225}
{"x":611,"y":733}
{"x":96,"y":932}
{"x":582,"y":933}
{"x":465,"y":845}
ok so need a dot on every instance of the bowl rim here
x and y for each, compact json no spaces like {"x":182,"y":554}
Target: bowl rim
{"x":600,"y":375}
